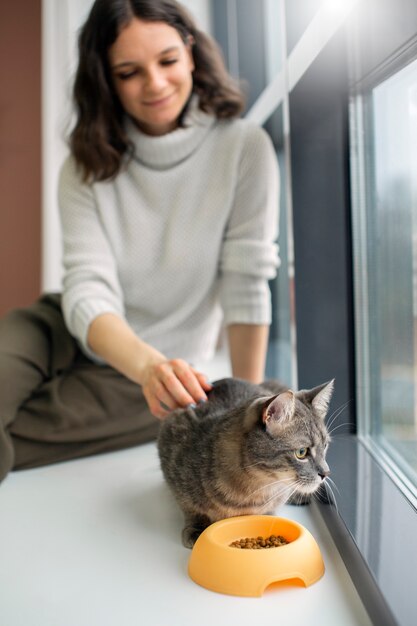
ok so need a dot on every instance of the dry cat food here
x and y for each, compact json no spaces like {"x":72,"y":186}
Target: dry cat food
{"x":256,"y":543}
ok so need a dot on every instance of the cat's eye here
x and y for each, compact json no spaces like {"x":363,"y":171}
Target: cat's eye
{"x":301,"y":453}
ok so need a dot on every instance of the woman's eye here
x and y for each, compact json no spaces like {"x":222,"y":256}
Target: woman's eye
{"x":127,"y":75}
{"x":168,"y":61}
{"x":301,"y":453}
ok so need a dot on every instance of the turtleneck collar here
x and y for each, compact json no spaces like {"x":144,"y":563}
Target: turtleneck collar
{"x":165,"y":151}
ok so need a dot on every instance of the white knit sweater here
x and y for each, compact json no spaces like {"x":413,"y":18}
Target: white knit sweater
{"x":181,"y":238}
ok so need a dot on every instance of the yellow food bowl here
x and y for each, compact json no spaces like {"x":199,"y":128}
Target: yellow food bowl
{"x":216,"y":565}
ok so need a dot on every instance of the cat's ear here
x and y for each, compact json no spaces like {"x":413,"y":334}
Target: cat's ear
{"x":319,"y":397}
{"x":279,"y":410}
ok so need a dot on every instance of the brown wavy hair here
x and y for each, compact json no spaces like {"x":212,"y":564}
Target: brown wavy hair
{"x":98,"y":141}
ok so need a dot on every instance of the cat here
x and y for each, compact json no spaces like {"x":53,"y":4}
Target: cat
{"x":247,"y":450}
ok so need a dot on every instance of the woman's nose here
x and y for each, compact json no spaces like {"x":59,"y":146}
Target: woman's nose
{"x":155,"y":81}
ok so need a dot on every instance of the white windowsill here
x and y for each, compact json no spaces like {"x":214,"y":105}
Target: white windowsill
{"x":96,"y":542}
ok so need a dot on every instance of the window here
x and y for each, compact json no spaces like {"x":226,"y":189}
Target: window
{"x":383,"y":125}
{"x":385,"y":227}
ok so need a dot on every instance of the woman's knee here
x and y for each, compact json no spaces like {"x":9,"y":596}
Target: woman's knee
{"x":34,"y":346}
{"x":38,"y":335}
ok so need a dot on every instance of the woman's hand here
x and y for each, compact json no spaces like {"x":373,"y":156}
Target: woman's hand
{"x":172,"y":384}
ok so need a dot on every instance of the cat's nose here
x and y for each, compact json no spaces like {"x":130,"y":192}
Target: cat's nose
{"x":323,"y":473}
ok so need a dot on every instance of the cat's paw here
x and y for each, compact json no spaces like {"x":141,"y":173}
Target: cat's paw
{"x":190,"y":536}
{"x":193,"y":528}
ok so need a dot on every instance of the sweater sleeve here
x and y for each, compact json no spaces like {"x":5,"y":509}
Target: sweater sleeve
{"x":249,"y":254}
{"x":90,"y":285}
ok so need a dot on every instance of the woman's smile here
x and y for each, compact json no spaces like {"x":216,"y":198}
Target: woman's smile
{"x":159,"y":101}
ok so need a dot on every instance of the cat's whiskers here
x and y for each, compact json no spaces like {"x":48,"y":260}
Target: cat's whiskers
{"x":333,"y":500}
{"x":300,"y":498}
{"x":271,"y":484}
{"x":275,"y":496}
{"x":333,"y":417}
{"x":292,"y":488}
{"x":328,"y":479}
{"x":336,"y":413}
{"x":278,"y":493}
{"x":298,"y":483}
{"x":338,"y":426}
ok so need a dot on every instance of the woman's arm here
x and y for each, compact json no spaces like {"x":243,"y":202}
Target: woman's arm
{"x":173,"y":382}
{"x":248,"y":344}
{"x":249,"y":256}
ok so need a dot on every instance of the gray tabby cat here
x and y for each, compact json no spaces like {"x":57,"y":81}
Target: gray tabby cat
{"x":247,"y":450}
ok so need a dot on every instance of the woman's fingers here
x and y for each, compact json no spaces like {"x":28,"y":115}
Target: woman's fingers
{"x":160,"y":402}
{"x":163,"y":386}
{"x":203,"y":380}
{"x":165,"y":399}
{"x":171,"y":380}
{"x":190,"y":380}
{"x":173,"y":384}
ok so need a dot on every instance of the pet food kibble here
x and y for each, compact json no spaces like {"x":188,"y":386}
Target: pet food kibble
{"x":256,"y":543}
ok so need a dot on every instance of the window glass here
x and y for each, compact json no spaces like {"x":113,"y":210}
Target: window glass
{"x":391,"y":223}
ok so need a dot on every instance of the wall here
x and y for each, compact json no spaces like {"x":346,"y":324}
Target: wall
{"x":20,"y":153}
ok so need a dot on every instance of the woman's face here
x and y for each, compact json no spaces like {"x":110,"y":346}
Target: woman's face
{"x":152,"y":73}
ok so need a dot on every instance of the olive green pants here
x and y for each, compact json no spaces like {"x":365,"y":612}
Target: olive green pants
{"x":55,"y":403}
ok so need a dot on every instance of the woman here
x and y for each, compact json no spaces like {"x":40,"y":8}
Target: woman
{"x":169,"y":206}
